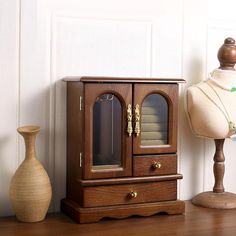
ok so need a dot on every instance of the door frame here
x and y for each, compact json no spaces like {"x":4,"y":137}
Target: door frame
{"x":170,"y":93}
{"x":124,"y":93}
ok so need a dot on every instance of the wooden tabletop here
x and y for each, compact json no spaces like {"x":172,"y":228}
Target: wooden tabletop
{"x":196,"y":221}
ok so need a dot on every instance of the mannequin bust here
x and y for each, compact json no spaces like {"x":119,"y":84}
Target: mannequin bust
{"x":211,"y":104}
{"x":211,"y":109}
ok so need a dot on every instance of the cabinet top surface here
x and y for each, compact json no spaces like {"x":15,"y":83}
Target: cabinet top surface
{"x":100,"y":79}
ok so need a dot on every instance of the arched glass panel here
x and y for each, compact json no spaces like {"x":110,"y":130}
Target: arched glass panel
{"x":154,"y":125}
{"x":107,"y":130}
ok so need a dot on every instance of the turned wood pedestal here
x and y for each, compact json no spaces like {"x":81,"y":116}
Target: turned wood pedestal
{"x":217,"y":198}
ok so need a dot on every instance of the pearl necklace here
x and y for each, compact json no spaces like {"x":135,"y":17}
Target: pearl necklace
{"x":221,"y":85}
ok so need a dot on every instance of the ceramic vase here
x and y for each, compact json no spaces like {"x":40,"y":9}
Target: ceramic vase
{"x":30,"y":188}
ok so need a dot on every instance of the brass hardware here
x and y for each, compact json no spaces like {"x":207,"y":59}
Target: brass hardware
{"x":133,"y":194}
{"x":129,"y":120}
{"x":80,"y":159}
{"x":80,"y":103}
{"x":156,"y":165}
{"x":137,"y":120}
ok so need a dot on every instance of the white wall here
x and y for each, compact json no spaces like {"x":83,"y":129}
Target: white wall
{"x":43,"y":40}
{"x":9,"y":97}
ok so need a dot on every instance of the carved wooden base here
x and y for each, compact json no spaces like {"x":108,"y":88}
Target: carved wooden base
{"x":94,"y":214}
{"x":223,"y":200}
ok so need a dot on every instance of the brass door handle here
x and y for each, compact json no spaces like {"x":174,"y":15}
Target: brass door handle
{"x":133,"y":194}
{"x":156,"y":165}
{"x":129,"y":120}
{"x":137,"y":120}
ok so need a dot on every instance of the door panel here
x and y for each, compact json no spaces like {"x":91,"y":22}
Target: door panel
{"x":107,"y":113}
{"x":155,"y":110}
{"x":108,"y":146}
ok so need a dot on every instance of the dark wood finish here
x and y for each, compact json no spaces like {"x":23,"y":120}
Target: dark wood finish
{"x":94,"y":214}
{"x":130,"y":180}
{"x":170,"y":92}
{"x":124,"y":93}
{"x":196,"y":221}
{"x":218,"y":198}
{"x":101,"y":79}
{"x":145,"y":165}
{"x":121,"y":194}
{"x":74,"y":140}
{"x":94,"y":192}
{"x":227,"y":54}
{"x":219,"y":166}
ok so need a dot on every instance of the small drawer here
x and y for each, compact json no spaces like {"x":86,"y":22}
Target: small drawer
{"x":154,"y":165}
{"x":129,"y":193}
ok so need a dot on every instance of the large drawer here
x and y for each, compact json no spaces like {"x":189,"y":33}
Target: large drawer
{"x":154,"y":165}
{"x":129,"y":193}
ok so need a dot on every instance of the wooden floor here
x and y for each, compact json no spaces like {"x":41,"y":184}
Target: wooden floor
{"x":196,"y":221}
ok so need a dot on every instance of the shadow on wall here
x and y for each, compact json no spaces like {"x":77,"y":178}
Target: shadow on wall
{"x":192,"y":147}
{"x":34,"y":110}
{"x":6,"y":175}
{"x":37,"y":108}
{"x":46,"y":107}
{"x":196,"y":72}
{"x":60,"y":143}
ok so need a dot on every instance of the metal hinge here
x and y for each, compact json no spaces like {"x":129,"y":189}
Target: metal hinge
{"x":80,"y":159}
{"x":80,"y":103}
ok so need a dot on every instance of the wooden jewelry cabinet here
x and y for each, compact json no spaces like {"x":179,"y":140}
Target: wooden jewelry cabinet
{"x":121,"y":147}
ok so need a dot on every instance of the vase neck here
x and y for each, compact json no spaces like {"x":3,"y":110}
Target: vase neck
{"x":29,"y":134}
{"x":30,"y":152}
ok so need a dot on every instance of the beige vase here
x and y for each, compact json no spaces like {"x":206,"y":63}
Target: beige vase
{"x":30,"y":188}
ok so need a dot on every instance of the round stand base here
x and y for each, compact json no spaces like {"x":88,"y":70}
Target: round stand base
{"x":223,"y":200}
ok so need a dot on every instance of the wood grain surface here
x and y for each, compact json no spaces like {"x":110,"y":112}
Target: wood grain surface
{"x":120,"y":194}
{"x":94,"y":214}
{"x":143,"y":165}
{"x":196,"y":221}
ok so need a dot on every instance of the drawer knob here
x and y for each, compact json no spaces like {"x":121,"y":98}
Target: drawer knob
{"x":133,"y":194}
{"x":156,"y":165}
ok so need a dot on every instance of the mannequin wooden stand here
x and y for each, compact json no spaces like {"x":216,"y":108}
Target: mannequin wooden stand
{"x":218,"y":198}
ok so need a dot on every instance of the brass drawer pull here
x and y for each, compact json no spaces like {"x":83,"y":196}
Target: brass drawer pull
{"x":156,"y":165}
{"x":133,"y":194}
{"x":129,"y":120}
{"x":137,"y":120}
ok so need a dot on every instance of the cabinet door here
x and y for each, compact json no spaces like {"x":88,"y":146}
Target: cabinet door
{"x":108,"y":146}
{"x":155,"y":111}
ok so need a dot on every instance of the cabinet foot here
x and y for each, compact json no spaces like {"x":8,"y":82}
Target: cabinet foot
{"x":94,"y":214}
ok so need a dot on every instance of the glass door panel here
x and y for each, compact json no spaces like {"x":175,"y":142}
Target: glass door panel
{"x":154,"y":128}
{"x":157,"y":118}
{"x":108,"y":146}
{"x":107,"y":130}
